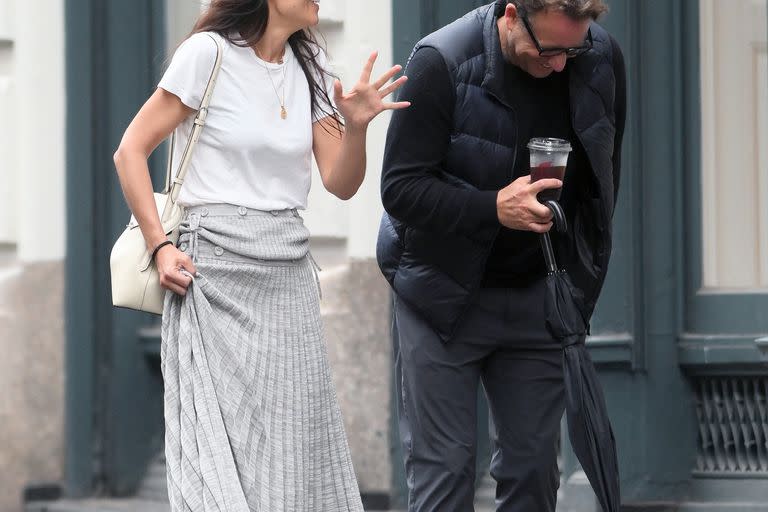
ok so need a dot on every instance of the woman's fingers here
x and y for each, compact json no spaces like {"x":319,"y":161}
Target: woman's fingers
{"x":175,"y":281}
{"x":386,"y":77}
{"x":393,"y":86}
{"x":178,"y":290}
{"x":365,"y":77}
{"x":396,"y":106}
{"x":181,"y":278}
{"x":338,"y":91}
{"x":186,"y":264}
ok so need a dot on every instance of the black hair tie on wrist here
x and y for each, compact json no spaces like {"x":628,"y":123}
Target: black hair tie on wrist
{"x":160,"y":246}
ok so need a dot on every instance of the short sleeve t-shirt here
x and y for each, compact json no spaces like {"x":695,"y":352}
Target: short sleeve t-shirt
{"x":247,"y":155}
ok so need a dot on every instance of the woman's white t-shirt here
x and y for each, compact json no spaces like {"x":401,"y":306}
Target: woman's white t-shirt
{"x":246,"y":155}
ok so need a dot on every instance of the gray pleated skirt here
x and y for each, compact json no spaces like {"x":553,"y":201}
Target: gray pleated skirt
{"x":252,"y":418}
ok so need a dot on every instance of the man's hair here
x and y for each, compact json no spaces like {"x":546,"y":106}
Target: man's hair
{"x":576,"y":9}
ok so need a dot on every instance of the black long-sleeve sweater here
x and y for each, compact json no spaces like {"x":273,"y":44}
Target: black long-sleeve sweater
{"x":419,"y":137}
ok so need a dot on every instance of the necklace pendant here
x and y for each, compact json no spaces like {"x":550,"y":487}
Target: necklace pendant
{"x":283,"y":113}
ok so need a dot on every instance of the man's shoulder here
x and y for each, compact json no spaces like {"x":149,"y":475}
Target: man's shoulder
{"x":600,"y":64}
{"x":603,"y":42}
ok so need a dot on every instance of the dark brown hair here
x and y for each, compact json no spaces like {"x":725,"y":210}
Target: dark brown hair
{"x":249,"y":19}
{"x":576,"y":9}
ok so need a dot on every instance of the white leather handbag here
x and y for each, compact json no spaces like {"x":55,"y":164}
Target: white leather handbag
{"x":135,"y":280}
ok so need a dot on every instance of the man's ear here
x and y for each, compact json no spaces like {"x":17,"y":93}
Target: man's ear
{"x":510,"y":15}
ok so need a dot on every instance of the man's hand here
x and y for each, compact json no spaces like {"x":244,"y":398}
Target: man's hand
{"x":518,"y":208}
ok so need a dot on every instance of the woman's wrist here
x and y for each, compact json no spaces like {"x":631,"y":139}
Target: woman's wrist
{"x":154,"y":239}
{"x":355,"y":129}
{"x":159,"y":246}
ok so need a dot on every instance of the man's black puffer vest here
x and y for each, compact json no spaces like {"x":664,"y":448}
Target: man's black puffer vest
{"x":438,"y":273}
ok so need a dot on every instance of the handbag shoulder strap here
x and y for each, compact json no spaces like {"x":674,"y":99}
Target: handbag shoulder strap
{"x":173,"y":184}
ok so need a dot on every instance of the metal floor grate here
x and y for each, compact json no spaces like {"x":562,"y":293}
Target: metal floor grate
{"x":733,"y":426}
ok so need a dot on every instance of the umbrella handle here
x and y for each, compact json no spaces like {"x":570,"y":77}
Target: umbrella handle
{"x":561,"y":223}
{"x":549,"y":253}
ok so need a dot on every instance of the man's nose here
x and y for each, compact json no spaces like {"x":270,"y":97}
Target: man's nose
{"x":558,"y":62}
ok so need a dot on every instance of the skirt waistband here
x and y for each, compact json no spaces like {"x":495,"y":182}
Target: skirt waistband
{"x":250,"y":233}
{"x":226,"y":210}
{"x":237,"y":234}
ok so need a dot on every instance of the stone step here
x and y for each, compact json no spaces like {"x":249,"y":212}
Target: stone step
{"x":154,"y":487}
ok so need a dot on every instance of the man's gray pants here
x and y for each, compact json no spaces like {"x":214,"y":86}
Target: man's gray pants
{"x":503,"y":343}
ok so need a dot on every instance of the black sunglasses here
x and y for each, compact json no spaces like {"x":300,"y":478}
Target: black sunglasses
{"x":554,"y":51}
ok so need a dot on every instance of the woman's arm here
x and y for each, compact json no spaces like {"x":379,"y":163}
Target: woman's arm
{"x":340,"y":155}
{"x":340,"y":151}
{"x":159,"y":116}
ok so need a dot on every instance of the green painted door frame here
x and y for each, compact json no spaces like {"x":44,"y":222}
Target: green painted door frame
{"x":114,"y":394}
{"x":680,"y":336}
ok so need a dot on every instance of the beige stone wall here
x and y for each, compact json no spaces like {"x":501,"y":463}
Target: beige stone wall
{"x":32,"y":173}
{"x":31,"y":377}
{"x":355,"y":309}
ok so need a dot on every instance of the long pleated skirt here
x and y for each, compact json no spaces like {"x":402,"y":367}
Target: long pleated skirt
{"x":252,"y":419}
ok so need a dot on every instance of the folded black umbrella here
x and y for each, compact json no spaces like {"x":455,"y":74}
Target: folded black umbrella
{"x":589,"y":427}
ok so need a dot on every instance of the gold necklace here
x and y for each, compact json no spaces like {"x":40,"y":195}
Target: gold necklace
{"x":281,"y":100}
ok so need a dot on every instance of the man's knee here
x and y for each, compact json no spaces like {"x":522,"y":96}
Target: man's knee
{"x":456,"y":462}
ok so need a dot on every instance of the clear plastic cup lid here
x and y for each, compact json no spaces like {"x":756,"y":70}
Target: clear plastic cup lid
{"x":549,"y":145}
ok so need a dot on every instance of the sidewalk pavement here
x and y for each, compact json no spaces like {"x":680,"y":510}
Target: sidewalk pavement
{"x":483,"y":503}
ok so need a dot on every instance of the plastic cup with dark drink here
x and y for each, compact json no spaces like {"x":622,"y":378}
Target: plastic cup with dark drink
{"x":549,"y":157}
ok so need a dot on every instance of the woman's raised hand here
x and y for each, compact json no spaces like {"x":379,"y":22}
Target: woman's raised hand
{"x":366,"y":100}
